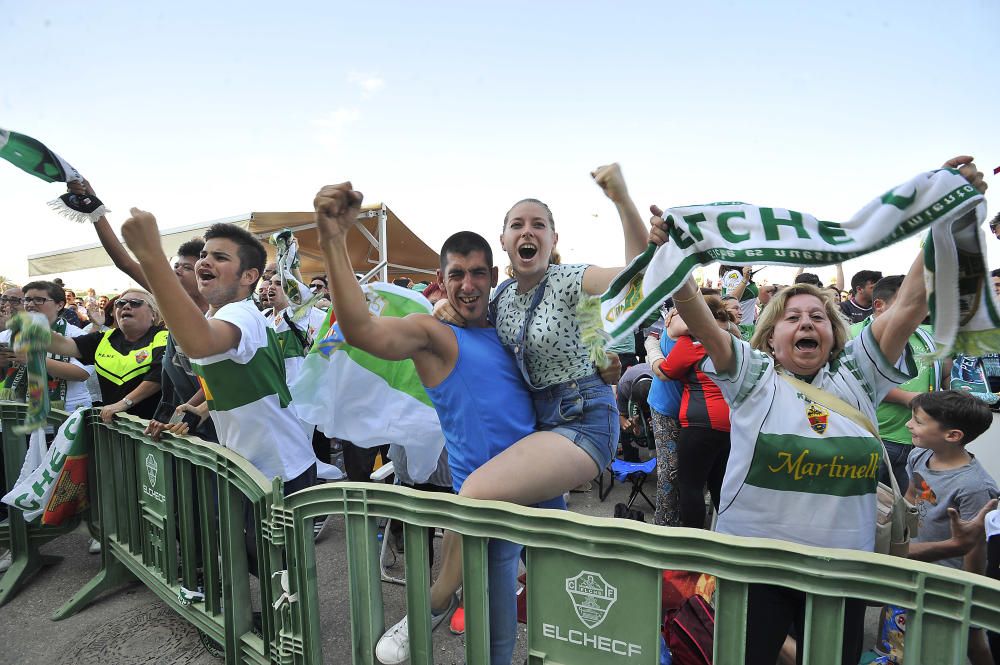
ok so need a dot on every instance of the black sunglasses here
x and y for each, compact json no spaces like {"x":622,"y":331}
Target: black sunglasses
{"x":36,"y":300}
{"x":134,"y":303}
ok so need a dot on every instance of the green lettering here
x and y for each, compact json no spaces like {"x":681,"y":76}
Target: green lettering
{"x":25,"y":503}
{"x":833,"y":233}
{"x":677,"y":235}
{"x":727,"y":233}
{"x":901,"y":202}
{"x":693,"y":221}
{"x":39,"y":488}
{"x":771,"y":224}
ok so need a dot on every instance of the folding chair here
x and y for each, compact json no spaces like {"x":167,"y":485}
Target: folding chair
{"x":636,"y":473}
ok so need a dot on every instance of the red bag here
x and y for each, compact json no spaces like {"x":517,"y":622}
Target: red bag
{"x":679,"y":585}
{"x":691,"y":632}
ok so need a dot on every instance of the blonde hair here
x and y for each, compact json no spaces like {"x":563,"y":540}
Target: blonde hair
{"x":775,"y":308}
{"x":150,"y":300}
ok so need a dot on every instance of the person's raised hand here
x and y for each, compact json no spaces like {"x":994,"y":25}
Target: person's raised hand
{"x":80,"y":188}
{"x":609,"y":178}
{"x":337,"y":208}
{"x":968,"y":170}
{"x":95,"y":314}
{"x":142,"y":235}
{"x":657,"y":227}
{"x":968,"y":533}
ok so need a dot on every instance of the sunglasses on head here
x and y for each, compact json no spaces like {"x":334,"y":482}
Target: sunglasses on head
{"x":134,"y":303}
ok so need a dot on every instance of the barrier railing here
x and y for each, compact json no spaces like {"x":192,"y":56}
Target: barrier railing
{"x":173,"y":514}
{"x":21,"y":538}
{"x":594,"y":583}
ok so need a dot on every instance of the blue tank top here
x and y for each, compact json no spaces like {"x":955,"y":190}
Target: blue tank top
{"x":483,"y":405}
{"x":665,"y":396}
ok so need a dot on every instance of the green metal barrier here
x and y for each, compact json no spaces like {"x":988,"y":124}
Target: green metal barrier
{"x":594,"y":583}
{"x":173,"y":514}
{"x":21,"y":538}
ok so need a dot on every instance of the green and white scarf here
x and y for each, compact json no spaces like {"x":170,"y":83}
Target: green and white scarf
{"x":32,"y":334}
{"x":32,"y":156}
{"x":287,"y":261}
{"x":964,"y":311}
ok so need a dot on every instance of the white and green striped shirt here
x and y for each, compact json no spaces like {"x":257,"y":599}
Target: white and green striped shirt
{"x":798,"y":471}
{"x":248,"y":398}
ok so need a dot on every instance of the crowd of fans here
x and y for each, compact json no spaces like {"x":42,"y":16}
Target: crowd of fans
{"x":708,"y":375}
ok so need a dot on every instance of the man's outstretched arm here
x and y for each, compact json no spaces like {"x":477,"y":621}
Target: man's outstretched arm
{"x":198,"y":336}
{"x":337,"y":207}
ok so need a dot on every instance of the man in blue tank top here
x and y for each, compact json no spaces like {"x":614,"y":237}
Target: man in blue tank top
{"x":454,"y":364}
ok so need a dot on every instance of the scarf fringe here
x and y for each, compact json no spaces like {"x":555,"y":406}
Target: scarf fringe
{"x":976,"y":343}
{"x":62,"y":209}
{"x":592,"y":333}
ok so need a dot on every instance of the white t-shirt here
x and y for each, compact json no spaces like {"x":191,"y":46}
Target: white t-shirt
{"x":797,"y":470}
{"x":248,"y":398}
{"x":77,"y":394}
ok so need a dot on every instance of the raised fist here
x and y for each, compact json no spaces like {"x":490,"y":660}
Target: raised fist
{"x":141,"y":234}
{"x":337,"y":208}
{"x":609,"y":178}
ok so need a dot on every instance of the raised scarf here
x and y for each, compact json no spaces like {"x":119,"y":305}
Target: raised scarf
{"x":964,"y":311}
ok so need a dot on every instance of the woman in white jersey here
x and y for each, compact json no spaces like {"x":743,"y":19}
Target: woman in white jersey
{"x":798,"y":471}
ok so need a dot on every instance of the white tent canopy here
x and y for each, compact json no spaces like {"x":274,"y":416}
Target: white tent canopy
{"x":381,"y":246}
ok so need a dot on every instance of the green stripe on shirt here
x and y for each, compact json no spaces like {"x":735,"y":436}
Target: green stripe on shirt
{"x":837,"y":466}
{"x":232,"y":385}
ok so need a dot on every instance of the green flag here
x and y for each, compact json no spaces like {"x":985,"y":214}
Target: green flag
{"x":32,"y":156}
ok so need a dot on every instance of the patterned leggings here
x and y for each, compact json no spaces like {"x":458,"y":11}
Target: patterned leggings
{"x":665,"y":431}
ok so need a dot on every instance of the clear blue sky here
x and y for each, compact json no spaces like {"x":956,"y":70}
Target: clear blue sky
{"x":449,"y":112}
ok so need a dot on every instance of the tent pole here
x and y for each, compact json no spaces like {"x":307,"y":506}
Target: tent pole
{"x":383,"y":253}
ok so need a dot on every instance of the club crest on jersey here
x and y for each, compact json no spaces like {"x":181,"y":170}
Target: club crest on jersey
{"x":818,"y":417}
{"x":141,"y":356}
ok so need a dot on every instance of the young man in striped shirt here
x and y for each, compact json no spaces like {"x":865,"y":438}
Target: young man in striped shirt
{"x":233,"y":349}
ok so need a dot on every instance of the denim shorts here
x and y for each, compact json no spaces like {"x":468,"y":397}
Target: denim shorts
{"x":585,"y":412}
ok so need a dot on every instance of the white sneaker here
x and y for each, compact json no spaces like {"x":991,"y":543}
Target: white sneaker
{"x":5,"y":561}
{"x":393,"y":647}
{"x":94,"y":546}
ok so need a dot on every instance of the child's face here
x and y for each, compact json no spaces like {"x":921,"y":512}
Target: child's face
{"x":928,"y":433}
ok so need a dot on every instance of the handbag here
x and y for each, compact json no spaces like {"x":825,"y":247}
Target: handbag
{"x":895,"y":517}
{"x":691,"y":632}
